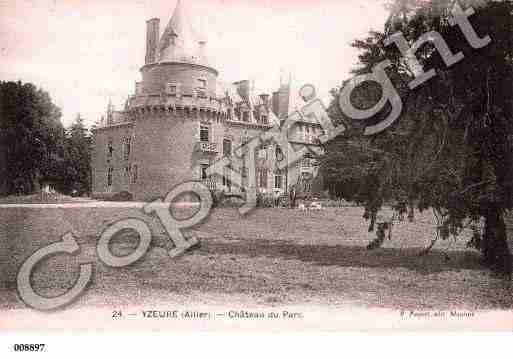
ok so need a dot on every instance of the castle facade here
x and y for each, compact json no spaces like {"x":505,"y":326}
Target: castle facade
{"x":182,"y":119}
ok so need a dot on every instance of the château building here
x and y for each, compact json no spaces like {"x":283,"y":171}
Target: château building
{"x":182,"y":119}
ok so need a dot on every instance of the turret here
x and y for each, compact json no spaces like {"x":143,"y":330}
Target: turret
{"x":178,"y":64}
{"x":281,"y":101}
{"x":179,"y":42}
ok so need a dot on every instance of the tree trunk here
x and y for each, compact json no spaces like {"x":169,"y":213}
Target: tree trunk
{"x":373,"y":217}
{"x":292,"y":198}
{"x":494,"y":246}
{"x":411,"y":212}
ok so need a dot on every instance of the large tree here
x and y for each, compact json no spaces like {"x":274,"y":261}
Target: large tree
{"x":35,"y":147}
{"x":31,"y":137}
{"x":77,"y":159}
{"x":450,"y":149}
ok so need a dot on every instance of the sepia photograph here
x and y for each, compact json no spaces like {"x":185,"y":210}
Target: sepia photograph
{"x":255,"y":165}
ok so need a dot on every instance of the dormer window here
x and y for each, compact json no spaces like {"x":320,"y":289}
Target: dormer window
{"x":245,"y":116}
{"x":138,"y":88}
{"x":201,"y":88}
{"x":200,"y":92}
{"x":264,"y":119}
{"x":171,"y":89}
{"x":202,"y":83}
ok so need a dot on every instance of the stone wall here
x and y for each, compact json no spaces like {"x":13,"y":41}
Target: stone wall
{"x":101,"y":162}
{"x":162,"y":150}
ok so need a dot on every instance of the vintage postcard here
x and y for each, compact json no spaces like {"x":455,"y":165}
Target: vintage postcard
{"x":256,"y":165}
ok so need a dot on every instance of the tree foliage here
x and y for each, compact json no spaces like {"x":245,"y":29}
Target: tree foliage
{"x":35,"y":147}
{"x":77,"y":171}
{"x":450,"y":150}
{"x":31,"y":136}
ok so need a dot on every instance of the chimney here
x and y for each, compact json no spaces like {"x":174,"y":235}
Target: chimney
{"x":243,"y":88}
{"x":280,"y":102}
{"x":152,"y":38}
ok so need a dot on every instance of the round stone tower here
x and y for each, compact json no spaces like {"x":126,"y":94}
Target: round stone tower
{"x":177,"y":93}
{"x":176,"y":64}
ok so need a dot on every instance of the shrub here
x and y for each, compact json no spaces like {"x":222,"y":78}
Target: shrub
{"x":122,"y":196}
{"x":217,"y":198}
{"x":337,"y":203}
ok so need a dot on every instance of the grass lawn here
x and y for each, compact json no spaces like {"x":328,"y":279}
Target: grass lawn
{"x":272,"y":257}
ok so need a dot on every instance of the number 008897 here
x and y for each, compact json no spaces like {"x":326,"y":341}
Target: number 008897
{"x":29,"y":347}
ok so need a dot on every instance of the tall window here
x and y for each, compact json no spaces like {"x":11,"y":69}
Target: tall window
{"x":244,"y":138}
{"x":278,"y":181}
{"x":227,"y":148}
{"x":262,"y":152}
{"x":109,"y":176}
{"x":262,"y":177}
{"x":135,"y":173}
{"x":245,"y":116}
{"x":278,"y":153}
{"x":264,"y":119}
{"x":127,"y":142}
{"x":204,"y":133}
{"x":110,"y":150}
{"x":244,"y":177}
{"x":226,"y":177}
{"x":203,"y":172}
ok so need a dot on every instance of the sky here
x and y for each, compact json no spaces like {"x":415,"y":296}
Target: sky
{"x":84,"y":52}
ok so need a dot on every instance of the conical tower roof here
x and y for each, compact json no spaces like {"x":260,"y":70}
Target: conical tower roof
{"x":179,"y":42}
